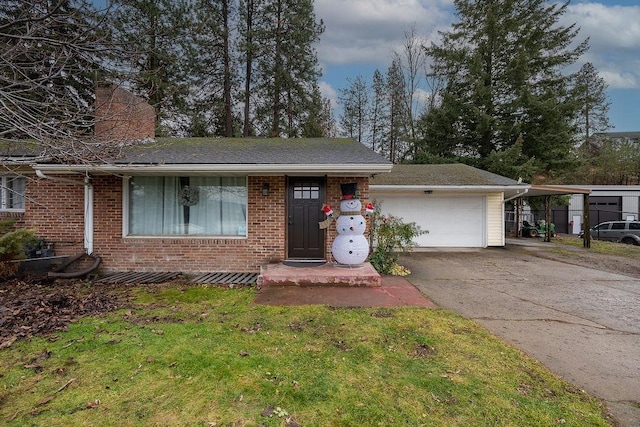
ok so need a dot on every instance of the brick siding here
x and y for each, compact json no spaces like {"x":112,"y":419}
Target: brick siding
{"x":56,"y":210}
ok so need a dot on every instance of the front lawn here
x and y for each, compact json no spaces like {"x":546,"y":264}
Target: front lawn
{"x":207,"y":356}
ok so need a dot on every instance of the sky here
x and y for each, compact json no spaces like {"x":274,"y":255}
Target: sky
{"x":361,"y":35}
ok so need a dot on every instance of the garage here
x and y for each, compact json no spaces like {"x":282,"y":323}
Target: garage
{"x":460,"y":206}
{"x":454,"y":221}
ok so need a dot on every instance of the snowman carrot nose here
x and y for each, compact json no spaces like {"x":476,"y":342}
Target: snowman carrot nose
{"x":351,"y":228}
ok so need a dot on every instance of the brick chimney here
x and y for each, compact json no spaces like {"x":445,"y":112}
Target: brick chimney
{"x":122,"y":116}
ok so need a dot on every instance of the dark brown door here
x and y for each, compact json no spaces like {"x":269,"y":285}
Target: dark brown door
{"x":305,"y":198}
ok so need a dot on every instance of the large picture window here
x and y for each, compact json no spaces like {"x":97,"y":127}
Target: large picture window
{"x":11,"y":193}
{"x":172,"y":205}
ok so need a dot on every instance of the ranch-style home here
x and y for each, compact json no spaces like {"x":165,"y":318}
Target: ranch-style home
{"x":187,"y":205}
{"x":196,"y":205}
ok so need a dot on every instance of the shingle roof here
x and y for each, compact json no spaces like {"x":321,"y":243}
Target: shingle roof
{"x":440,"y":174}
{"x":250,"y":151}
{"x":9,"y":148}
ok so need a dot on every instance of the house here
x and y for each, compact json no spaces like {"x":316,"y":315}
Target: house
{"x":188,"y":205}
{"x":196,"y":205}
{"x":632,"y":137}
{"x":459,"y":205}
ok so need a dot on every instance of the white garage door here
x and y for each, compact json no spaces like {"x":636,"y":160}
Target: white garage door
{"x":451,"y":221}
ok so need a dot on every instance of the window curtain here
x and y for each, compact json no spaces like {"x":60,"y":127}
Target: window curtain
{"x":213,"y":206}
{"x":221,"y":209}
{"x":154,"y":207}
{"x":15,"y":196}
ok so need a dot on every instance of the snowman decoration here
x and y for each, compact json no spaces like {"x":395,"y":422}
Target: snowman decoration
{"x":350,"y":247}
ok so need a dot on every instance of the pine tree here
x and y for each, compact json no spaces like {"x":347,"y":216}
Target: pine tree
{"x":355,"y":108}
{"x":503,"y":64}
{"x":397,"y":130}
{"x":211,"y":68}
{"x":590,"y":92}
{"x":287,"y":67}
{"x":379,"y":111}
{"x":152,"y":36}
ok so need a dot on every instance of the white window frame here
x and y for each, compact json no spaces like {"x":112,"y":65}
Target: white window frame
{"x":126,"y":217}
{"x":4,"y":193}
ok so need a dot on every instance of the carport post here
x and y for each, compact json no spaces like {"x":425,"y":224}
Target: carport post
{"x":547,"y":214}
{"x":586,"y":235}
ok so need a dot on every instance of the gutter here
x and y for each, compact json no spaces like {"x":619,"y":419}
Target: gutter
{"x":447,"y":188}
{"x":346,"y":169}
{"x":88,"y":206}
{"x":526,"y":190}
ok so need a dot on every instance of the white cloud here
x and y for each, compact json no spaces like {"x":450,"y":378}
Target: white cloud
{"x":366,"y":31}
{"x":614,"y":39}
{"x":327,"y":91}
{"x":609,"y":27}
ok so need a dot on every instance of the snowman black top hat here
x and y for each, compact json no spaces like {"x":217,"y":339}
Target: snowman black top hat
{"x":349,"y":190}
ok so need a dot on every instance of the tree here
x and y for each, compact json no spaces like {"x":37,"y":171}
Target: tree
{"x":590,"y":92}
{"x":210,"y":69}
{"x":318,"y":121}
{"x":606,"y":161}
{"x":151,"y":35}
{"x":412,"y":62}
{"x":52,"y":53}
{"x":355,"y":106}
{"x":503,"y":65}
{"x":378,"y":112}
{"x":397,"y":130}
{"x":287,"y":67}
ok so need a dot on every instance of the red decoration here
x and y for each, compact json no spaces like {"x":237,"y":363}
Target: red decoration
{"x":327,"y":210}
{"x":369,"y":209}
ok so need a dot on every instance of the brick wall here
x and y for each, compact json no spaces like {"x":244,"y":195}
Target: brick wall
{"x":56,"y":209}
{"x":122,"y":116}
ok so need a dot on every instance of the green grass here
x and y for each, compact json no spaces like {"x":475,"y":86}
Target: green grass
{"x":602,"y":247}
{"x":204,"y":356}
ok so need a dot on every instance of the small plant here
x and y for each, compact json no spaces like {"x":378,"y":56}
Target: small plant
{"x":391,"y":236}
{"x":13,"y":243}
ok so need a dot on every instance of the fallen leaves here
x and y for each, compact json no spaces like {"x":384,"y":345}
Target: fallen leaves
{"x":40,"y":308}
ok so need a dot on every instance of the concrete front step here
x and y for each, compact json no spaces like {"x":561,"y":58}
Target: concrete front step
{"x":327,"y":274}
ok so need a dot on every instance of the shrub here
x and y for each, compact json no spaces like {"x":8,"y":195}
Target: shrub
{"x":13,"y":244}
{"x":391,"y":236}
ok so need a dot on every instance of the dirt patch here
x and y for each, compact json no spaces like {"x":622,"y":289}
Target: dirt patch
{"x":40,"y":307}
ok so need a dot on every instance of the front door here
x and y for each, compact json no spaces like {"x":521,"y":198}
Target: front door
{"x":305,"y":198}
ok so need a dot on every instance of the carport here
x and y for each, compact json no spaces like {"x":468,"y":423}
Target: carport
{"x":547,"y":191}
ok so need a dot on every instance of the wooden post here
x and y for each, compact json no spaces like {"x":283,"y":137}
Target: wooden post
{"x":547,"y":215}
{"x":517,"y":215}
{"x":586,"y":235}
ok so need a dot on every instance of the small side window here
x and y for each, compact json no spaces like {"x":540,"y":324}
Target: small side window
{"x":12,"y":193}
{"x":634,"y":226}
{"x":618,"y":226}
{"x":602,"y":227}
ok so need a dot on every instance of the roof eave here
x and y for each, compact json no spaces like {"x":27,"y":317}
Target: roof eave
{"x":448,"y":188}
{"x":248,"y":169}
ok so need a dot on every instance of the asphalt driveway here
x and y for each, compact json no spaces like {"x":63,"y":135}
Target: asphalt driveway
{"x":579,"y":321}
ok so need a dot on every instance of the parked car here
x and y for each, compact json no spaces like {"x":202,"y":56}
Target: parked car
{"x":617,"y":231}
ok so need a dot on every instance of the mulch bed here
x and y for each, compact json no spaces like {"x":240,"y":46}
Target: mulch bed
{"x":37,"y":307}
